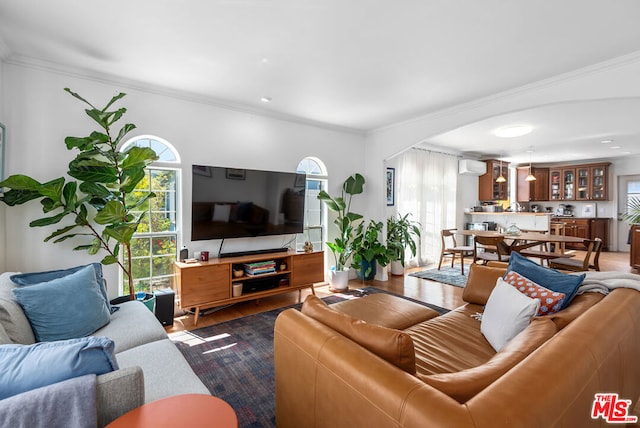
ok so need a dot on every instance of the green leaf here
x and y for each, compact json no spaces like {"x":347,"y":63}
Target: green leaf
{"x":69,"y":193}
{"x":113,"y":100}
{"x":94,"y":189}
{"x":48,"y":220}
{"x":109,"y":260}
{"x":124,"y":131}
{"x":18,"y":197}
{"x":96,"y":244}
{"x":113,"y":212}
{"x":121,"y":232}
{"x":130,"y":178}
{"x":77,"y":96}
{"x":94,"y":174}
{"x":142,"y":200}
{"x":60,"y":232}
{"x":21,"y":182}
{"x":354,"y":185}
{"x":53,"y":189}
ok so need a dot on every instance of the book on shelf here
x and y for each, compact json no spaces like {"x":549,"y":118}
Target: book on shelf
{"x":260,"y":268}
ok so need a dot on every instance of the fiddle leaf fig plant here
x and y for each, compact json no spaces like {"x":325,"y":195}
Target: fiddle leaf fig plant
{"x":100,"y":209}
{"x":342,"y":246}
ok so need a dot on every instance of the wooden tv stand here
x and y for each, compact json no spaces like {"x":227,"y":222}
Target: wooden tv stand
{"x":203,"y":285}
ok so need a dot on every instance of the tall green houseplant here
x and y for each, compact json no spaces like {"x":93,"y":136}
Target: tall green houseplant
{"x":402,"y":233}
{"x":98,"y":208}
{"x":633,"y":211}
{"x":342,"y":246}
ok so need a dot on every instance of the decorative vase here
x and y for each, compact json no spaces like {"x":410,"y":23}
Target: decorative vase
{"x":338,"y":280}
{"x":397,"y":268}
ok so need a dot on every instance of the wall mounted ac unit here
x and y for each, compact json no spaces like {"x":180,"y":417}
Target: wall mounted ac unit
{"x":471,"y":167}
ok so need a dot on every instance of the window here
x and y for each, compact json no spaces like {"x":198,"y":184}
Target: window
{"x":154,"y":246}
{"x":315,"y":211}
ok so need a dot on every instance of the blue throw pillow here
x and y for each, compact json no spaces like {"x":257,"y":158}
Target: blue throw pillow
{"x":546,"y":277}
{"x":26,"y":367}
{"x":38,"y":277}
{"x":64,"y":308}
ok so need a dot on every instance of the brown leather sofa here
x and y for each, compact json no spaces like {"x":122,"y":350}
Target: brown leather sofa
{"x":333,"y":370}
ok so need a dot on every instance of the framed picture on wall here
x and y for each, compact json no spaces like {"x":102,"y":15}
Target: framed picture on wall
{"x":391,"y":186}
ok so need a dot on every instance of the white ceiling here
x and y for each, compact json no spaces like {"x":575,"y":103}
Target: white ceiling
{"x":355,"y":64}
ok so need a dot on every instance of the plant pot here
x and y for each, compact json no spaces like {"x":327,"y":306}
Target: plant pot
{"x":338,"y":280}
{"x":149,"y":301}
{"x":370,"y":266}
{"x":397,"y":268}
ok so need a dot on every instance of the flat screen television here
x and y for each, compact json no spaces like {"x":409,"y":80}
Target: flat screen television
{"x":239,"y":203}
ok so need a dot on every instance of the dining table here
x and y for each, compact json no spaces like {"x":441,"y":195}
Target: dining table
{"x":524,"y":240}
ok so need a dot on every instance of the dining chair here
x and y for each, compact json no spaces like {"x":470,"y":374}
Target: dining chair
{"x":581,"y":264}
{"x":499,"y":249}
{"x":450,"y":248}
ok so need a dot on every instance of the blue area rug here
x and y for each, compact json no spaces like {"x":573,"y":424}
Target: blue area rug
{"x":234,"y":359}
{"x":446,"y":275}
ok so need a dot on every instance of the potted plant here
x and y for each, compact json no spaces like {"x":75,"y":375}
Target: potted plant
{"x":633,"y":211}
{"x":402,"y":233}
{"x":346,"y":221}
{"x":99,"y":208}
{"x":368,"y":251}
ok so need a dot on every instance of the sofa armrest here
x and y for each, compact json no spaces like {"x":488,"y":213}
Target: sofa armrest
{"x":119,"y":392}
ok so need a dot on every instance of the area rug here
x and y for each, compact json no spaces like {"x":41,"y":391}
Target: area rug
{"x":446,"y":275}
{"x":234,"y":359}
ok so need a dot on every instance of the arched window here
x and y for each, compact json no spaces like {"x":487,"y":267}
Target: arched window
{"x":315,"y":217}
{"x":154,"y":246}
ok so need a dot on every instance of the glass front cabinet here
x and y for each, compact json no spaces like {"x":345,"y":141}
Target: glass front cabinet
{"x":592,"y":182}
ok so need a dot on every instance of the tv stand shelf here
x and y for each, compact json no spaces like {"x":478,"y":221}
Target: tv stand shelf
{"x":209,"y":284}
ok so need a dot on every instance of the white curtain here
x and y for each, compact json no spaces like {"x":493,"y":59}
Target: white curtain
{"x":427,"y":183}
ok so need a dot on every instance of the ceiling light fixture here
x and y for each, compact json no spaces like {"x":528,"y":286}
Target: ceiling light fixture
{"x":513,"y":131}
{"x":606,"y":141}
{"x":265,"y":99}
{"x":501,"y":178}
{"x":530,"y":177}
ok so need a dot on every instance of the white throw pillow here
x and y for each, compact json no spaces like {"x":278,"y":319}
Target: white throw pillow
{"x":506,"y":314}
{"x":221,"y":212}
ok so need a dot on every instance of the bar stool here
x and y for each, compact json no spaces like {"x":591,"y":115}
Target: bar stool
{"x":557,"y":228}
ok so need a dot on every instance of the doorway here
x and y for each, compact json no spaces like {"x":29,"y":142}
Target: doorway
{"x":628,"y":187}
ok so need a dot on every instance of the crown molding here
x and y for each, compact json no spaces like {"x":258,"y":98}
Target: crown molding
{"x":105,"y":78}
{"x":587,"y":71}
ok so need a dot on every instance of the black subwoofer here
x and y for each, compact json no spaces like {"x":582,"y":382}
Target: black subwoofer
{"x":165,"y":306}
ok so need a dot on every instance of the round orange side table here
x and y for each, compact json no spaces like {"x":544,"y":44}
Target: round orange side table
{"x":180,"y":410}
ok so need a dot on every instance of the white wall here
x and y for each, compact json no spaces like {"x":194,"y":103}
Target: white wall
{"x":3,"y":244}
{"x":42,"y":114}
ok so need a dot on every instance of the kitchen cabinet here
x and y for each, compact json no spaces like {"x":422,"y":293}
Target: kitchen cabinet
{"x":537,"y":190}
{"x":488,"y":189}
{"x":562,"y":184}
{"x":586,"y":228}
{"x":591,"y":182}
{"x":635,"y":246}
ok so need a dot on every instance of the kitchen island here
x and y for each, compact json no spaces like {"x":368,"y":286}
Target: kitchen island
{"x":538,"y":222}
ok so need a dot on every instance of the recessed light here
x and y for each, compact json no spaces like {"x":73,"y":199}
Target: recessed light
{"x":265,"y":99}
{"x":606,"y":141}
{"x":615,"y":147}
{"x":513,"y":131}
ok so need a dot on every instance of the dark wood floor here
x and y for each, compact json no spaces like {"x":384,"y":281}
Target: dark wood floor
{"x":443,"y":295}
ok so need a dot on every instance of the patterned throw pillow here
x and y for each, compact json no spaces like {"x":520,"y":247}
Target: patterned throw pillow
{"x":550,"y":301}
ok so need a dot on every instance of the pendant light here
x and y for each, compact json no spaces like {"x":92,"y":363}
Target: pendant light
{"x":530,"y":177}
{"x":501,"y":178}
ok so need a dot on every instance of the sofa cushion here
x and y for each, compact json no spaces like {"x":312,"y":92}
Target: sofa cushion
{"x":64,"y":308}
{"x":480,"y":283}
{"x":132,"y":325}
{"x":465,"y":384}
{"x":45,"y":276}
{"x":546,"y":277}
{"x":12,"y":317}
{"x":394,"y":346}
{"x":165,"y":370}
{"x":550,"y":301}
{"x":506,"y":314}
{"x":25,"y":367}
{"x":4,"y":337}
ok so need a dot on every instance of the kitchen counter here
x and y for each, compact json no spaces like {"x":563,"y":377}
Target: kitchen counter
{"x":538,"y":222}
